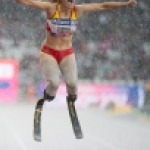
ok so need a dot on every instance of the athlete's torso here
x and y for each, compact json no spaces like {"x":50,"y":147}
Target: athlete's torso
{"x":60,"y":27}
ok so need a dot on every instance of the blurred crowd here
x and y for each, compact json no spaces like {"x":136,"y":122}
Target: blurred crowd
{"x":110,"y":45}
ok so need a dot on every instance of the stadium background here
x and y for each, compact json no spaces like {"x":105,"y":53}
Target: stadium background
{"x":113,"y":56}
{"x":112,"y":51}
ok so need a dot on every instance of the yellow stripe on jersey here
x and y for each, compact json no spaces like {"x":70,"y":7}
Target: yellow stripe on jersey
{"x":73,"y":17}
{"x":57,"y":13}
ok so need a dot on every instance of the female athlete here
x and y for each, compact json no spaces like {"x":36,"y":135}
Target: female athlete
{"x":56,"y":50}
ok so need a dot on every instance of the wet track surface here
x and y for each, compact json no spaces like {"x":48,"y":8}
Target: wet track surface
{"x":101,"y":131}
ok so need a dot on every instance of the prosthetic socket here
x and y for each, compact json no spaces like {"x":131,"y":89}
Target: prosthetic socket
{"x":49,"y":98}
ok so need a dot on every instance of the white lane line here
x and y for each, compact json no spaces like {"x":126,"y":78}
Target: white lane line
{"x":14,"y":133}
{"x":107,"y":144}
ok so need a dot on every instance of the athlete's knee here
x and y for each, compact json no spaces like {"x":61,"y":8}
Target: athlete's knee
{"x":53,"y":84}
{"x":72,"y":98}
{"x":71,"y":83}
{"x":72,"y":86}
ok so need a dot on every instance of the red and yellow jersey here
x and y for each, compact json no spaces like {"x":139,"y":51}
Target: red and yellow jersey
{"x":60,"y":27}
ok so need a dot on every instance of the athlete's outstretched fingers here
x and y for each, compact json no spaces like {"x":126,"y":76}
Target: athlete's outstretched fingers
{"x":69,"y":71}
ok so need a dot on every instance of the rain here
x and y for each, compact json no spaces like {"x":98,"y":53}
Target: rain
{"x":112,"y":51}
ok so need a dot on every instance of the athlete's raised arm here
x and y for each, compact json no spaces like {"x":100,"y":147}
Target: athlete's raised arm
{"x":35,"y":4}
{"x":93,"y":7}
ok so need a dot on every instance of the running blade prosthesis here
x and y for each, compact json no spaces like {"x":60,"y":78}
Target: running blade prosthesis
{"x":74,"y":120}
{"x":37,"y":121}
{"x":73,"y":117}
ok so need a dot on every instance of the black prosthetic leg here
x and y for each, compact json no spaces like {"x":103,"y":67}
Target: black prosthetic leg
{"x":37,"y":116}
{"x":73,"y":116}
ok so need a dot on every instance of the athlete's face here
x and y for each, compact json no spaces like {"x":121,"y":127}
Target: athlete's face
{"x":68,"y":3}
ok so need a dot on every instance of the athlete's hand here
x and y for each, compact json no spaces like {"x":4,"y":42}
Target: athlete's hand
{"x":132,"y":3}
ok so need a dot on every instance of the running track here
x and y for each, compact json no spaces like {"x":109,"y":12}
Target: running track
{"x":101,"y":131}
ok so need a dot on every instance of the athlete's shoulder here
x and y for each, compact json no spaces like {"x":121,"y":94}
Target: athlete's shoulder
{"x":52,"y":9}
{"x":78,"y":9}
{"x":52,"y":5}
